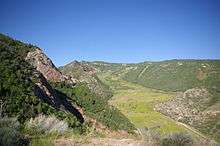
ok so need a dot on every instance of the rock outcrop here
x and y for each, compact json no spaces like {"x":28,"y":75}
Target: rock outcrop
{"x":46,"y":71}
{"x":44,"y":65}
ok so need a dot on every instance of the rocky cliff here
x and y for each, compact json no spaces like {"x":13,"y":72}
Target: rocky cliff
{"x":44,"y":65}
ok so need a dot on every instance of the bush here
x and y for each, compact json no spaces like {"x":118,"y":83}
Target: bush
{"x":10,"y":134}
{"x":177,"y":139}
{"x":150,"y":135}
{"x":47,"y":124}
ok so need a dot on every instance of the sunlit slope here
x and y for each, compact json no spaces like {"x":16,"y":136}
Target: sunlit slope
{"x":176,"y":75}
{"x":137,"y":103}
{"x":171,"y":75}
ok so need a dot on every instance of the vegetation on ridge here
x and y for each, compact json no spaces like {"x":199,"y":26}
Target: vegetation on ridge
{"x":18,"y":96}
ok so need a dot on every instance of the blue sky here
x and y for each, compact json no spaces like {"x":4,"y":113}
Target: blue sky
{"x":116,"y":30}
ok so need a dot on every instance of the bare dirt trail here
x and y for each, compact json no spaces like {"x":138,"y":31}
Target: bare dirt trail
{"x":192,"y":130}
{"x":101,"y":142}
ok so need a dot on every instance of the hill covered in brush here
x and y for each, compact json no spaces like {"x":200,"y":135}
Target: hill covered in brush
{"x":31,"y":85}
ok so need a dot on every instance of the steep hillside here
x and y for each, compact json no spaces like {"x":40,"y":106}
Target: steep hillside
{"x":30,"y":85}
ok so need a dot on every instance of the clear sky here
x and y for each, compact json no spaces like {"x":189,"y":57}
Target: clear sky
{"x":115,"y":30}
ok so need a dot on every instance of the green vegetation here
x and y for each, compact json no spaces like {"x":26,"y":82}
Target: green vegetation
{"x":177,"y":139}
{"x":176,"y":75}
{"x":137,"y":103}
{"x":171,"y":75}
{"x":83,"y":72}
{"x":136,"y":88}
{"x":96,"y":107}
{"x":16,"y":89}
{"x":10,"y":134}
{"x":18,"y":98}
{"x":18,"y":82}
{"x":162,"y":78}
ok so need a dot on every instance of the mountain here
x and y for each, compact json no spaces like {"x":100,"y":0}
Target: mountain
{"x":31,"y":85}
{"x":196,"y":84}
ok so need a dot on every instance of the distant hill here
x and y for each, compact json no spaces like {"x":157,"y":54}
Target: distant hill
{"x":171,"y":75}
{"x":83,"y":72}
{"x":176,"y":75}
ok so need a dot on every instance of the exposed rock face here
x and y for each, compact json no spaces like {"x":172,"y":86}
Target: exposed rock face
{"x":187,"y":107}
{"x":46,"y":70}
{"x":44,"y":65}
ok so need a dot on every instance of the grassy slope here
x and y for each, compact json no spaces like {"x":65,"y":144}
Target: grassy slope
{"x":176,"y":75}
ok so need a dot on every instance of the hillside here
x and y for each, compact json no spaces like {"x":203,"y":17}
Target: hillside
{"x":34,"y":92}
{"x":171,"y":75}
{"x":196,"y":84}
{"x":83,"y":72}
{"x":176,"y":75}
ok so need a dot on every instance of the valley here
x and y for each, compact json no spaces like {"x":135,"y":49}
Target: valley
{"x":137,"y":103}
{"x":100,"y":103}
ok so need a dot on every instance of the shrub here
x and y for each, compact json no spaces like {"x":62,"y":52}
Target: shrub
{"x":10,"y":134}
{"x":150,"y":135}
{"x":47,"y":124}
{"x":177,"y":139}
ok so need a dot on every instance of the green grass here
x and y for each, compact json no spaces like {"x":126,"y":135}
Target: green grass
{"x":137,"y":102}
{"x":44,"y":140}
{"x":171,"y":75}
{"x":176,"y":75}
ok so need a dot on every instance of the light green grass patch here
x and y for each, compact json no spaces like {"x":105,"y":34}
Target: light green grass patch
{"x":137,"y":103}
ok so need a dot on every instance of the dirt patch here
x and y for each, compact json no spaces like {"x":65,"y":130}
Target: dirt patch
{"x":101,"y":142}
{"x":201,"y":75}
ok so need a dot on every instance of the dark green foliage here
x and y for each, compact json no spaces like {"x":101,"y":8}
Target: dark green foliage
{"x":16,"y":88}
{"x":177,"y":139}
{"x":96,"y":107}
{"x":17,"y":82}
